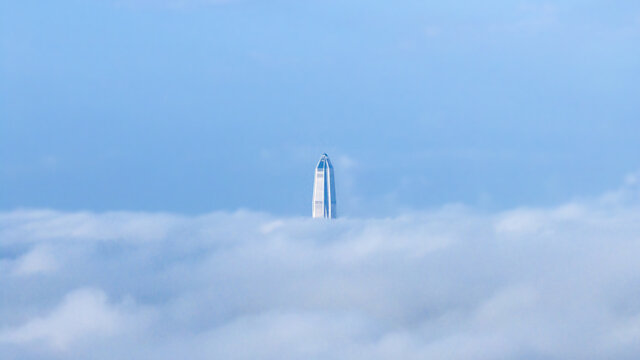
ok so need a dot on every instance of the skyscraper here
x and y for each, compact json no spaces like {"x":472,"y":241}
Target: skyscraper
{"x":324,"y":190}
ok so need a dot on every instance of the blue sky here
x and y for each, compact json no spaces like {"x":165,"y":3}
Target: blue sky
{"x":194,"y":106}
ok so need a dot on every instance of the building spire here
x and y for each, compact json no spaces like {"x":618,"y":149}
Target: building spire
{"x":324,"y":190}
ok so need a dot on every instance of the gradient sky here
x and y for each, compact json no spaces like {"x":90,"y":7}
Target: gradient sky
{"x":195,"y":106}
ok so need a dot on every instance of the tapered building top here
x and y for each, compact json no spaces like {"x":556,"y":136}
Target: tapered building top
{"x":324,"y":190}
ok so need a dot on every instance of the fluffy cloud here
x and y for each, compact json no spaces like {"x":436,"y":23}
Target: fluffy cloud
{"x":37,"y":260}
{"x":83,"y":313}
{"x":559,"y":282}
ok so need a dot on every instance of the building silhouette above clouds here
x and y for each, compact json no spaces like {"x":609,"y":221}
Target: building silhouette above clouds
{"x":324,"y":190}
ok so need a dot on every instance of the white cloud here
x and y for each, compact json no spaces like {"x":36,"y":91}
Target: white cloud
{"x":83,"y":313}
{"x":557,"y":282}
{"x":38,"y":260}
{"x":346,"y":162}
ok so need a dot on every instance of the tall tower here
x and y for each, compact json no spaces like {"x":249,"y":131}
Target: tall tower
{"x":324,"y":190}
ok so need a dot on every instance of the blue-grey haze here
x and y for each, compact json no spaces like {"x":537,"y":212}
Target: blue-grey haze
{"x":193,"y":106}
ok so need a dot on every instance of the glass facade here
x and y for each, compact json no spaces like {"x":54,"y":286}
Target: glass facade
{"x":324,"y":190}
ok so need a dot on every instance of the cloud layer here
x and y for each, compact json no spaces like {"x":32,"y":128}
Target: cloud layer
{"x":561,"y":282}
